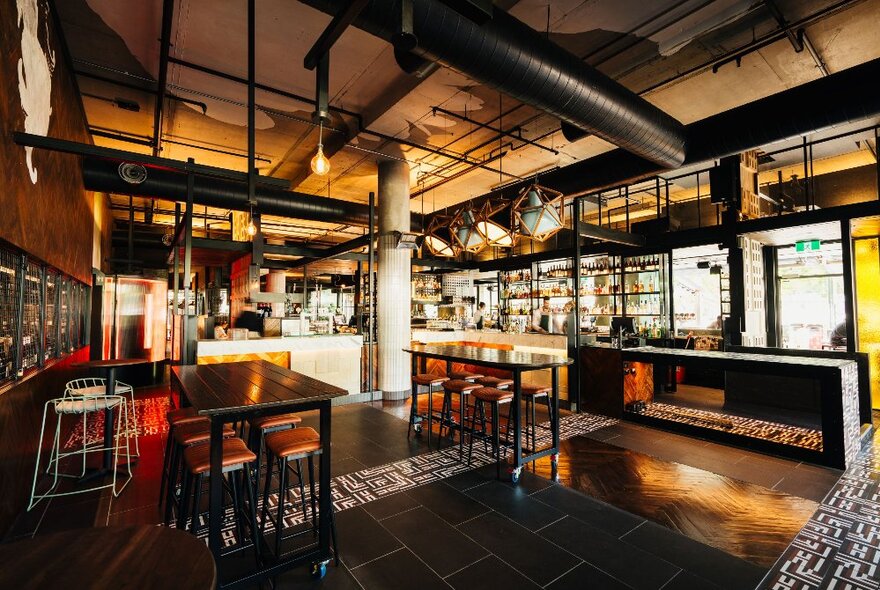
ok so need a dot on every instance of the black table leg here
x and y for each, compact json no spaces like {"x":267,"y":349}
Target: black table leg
{"x":215,"y":497}
{"x":517,"y":427}
{"x":108,"y":421}
{"x":324,"y":494}
{"x":554,"y":423}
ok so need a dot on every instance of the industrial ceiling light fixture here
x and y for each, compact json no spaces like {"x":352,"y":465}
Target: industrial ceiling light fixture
{"x":539,"y":211}
{"x":439,"y":237}
{"x":465,"y":231}
{"x":495,"y":224}
{"x":320,"y":163}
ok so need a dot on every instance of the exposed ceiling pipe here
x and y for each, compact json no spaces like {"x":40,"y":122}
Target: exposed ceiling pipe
{"x":841,"y":98}
{"x":505,"y":54}
{"x":101,"y":174}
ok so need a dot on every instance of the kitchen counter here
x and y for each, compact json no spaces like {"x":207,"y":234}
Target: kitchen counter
{"x":332,"y":358}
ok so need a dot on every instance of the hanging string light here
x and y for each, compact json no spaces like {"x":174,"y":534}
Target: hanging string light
{"x":320,"y":163}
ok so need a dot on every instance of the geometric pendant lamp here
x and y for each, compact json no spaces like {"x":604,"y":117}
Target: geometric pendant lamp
{"x":495,"y":223}
{"x":439,"y":237}
{"x":539,"y":211}
{"x":464,"y":227}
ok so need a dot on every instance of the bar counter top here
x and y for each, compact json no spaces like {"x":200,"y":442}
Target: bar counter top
{"x":717,"y":357}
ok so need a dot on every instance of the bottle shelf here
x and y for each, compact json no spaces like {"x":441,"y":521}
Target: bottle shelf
{"x":642,"y":293}
{"x":591,"y":276}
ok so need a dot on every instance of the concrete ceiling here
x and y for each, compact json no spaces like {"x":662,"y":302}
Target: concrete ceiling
{"x":658,"y":49}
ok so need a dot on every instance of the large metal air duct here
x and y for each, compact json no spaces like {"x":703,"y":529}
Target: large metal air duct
{"x":508,"y":55}
{"x":100,"y":174}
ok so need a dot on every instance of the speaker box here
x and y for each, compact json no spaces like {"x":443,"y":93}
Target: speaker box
{"x":724,"y":182}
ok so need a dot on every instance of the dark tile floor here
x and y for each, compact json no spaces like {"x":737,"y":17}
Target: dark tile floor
{"x":473,"y":531}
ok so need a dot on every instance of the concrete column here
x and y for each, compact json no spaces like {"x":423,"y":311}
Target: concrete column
{"x":276,"y":282}
{"x":393,"y":281}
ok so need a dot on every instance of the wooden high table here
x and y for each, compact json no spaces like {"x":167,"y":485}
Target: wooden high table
{"x":229,"y":392}
{"x":517,"y":363}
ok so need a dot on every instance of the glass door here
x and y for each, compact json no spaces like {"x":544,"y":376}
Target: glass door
{"x":811,"y":297}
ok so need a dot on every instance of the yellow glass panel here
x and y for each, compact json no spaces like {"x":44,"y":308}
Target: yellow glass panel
{"x":866,"y":254}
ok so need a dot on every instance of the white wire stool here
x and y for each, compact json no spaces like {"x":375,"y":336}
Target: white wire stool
{"x":81,"y":405}
{"x":92,"y":386}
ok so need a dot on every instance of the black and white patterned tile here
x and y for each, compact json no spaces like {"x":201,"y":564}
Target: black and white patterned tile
{"x":839,"y":547}
{"x":371,"y":484}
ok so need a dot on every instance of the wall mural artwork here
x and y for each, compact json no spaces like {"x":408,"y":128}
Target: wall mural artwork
{"x":35,"y":68}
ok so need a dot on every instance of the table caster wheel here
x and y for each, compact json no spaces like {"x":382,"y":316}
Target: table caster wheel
{"x":319,"y":570}
{"x":554,"y":458}
{"x":418,"y":429}
{"x":514,"y":474}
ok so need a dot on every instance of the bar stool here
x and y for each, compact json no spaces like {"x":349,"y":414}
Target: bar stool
{"x":260,"y":426}
{"x":462,"y":388}
{"x":428,"y":380}
{"x":236,"y":457}
{"x":495,"y":398}
{"x":175,"y":418}
{"x":465,"y":375}
{"x":82,"y":406}
{"x":286,"y":446}
{"x":530,"y":394}
{"x":92,"y":386}
{"x":496,"y":382}
{"x":183,"y":436}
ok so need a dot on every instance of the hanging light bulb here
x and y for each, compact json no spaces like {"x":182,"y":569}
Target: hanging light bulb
{"x":320,"y":163}
{"x":251,"y":228}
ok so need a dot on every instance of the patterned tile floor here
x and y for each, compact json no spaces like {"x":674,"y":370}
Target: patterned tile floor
{"x":375,"y":483}
{"x":839,"y":548}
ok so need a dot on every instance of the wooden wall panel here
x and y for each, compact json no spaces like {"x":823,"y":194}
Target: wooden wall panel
{"x":638,"y":383}
{"x":602,"y":381}
{"x":21,"y":412}
{"x":282,"y":359}
{"x":52,"y":217}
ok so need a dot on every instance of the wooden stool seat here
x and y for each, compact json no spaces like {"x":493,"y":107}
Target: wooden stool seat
{"x":496,"y":382}
{"x":535,"y":390}
{"x":267,"y":422}
{"x":428,"y":379}
{"x":235,"y":452}
{"x":294,"y":442}
{"x":492,"y":395}
{"x":464,"y":375}
{"x":460,"y":386}
{"x":197,"y":432}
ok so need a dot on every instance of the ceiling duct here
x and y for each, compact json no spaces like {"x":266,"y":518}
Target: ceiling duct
{"x":103,"y":175}
{"x":508,"y":55}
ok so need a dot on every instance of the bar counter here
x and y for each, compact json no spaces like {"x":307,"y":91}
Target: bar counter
{"x":634,"y":383}
{"x":332,"y":358}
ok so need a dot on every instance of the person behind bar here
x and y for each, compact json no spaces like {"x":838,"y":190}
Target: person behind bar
{"x":480,"y":315}
{"x":541,"y":318}
{"x":249,"y":319}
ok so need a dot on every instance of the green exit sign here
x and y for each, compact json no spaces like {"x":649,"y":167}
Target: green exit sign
{"x":808,"y":246}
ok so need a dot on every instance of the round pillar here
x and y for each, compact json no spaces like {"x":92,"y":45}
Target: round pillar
{"x":276,"y":282}
{"x":393,"y":281}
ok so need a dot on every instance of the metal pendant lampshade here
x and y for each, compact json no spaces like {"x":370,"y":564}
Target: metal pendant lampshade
{"x":495,"y":224}
{"x":439,"y":237}
{"x":539,"y":211}
{"x":465,"y":229}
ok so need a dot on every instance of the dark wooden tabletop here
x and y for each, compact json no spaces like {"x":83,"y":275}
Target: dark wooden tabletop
{"x":249,"y":385}
{"x":489,"y":357}
{"x":109,"y":363}
{"x":148,"y":557}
